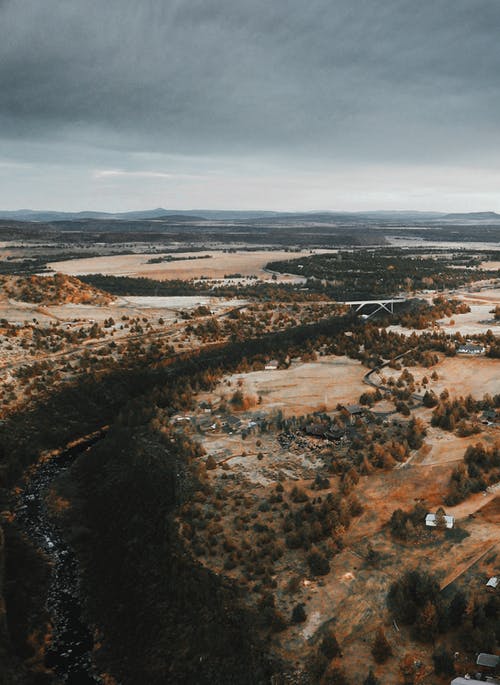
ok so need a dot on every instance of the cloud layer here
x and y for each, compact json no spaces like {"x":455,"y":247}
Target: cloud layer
{"x":237,"y":88}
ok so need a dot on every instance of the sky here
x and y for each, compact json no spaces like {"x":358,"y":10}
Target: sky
{"x":250,"y":104}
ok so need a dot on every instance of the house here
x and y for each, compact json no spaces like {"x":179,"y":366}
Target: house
{"x":317,"y":430}
{"x":471,"y":348}
{"x":272,"y":365}
{"x":335,"y":434}
{"x":493,"y":582}
{"x":488,"y":416}
{"x":231,"y":424}
{"x":488,"y":660}
{"x":430,"y":521}
{"x":354,"y":409}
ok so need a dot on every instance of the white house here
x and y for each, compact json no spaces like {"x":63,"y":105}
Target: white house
{"x":430,"y":520}
{"x":272,"y":365}
{"x":493,"y":582}
{"x":471,"y":348}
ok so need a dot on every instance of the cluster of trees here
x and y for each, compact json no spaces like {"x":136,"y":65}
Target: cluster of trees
{"x":173,"y":258}
{"x":408,"y":525}
{"x":163,"y":616}
{"x":380,"y":447}
{"x":258,"y":319}
{"x":266,"y":291}
{"x":251,"y":534}
{"x":311,"y":521}
{"x":455,"y":414}
{"x":367,"y":273}
{"x":470,"y":620}
{"x":441,"y":308}
{"x":480,"y":469}
{"x":415,"y":600}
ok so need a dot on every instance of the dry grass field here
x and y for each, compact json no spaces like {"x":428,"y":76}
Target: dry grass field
{"x":151,"y":307}
{"x":218,"y":266}
{"x":461,"y":375}
{"x":303,"y":387}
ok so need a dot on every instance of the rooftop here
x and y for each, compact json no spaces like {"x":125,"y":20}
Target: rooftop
{"x":490,"y":660}
{"x":430,"y":520}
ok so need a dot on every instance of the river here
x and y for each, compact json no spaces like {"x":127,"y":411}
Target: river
{"x":69,"y":654}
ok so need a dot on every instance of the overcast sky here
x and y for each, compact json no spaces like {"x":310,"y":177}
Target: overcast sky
{"x":242,"y":104}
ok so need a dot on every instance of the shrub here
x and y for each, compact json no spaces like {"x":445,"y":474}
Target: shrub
{"x":318,"y":563}
{"x":381,"y":649}
{"x":298,"y":613}
{"x":371,"y":679}
{"x":329,"y":646}
{"x":444,"y":664}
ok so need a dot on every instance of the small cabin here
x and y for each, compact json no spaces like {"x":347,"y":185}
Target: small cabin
{"x":488,"y":660}
{"x":471,"y":348}
{"x":317,"y":430}
{"x":431,"y":522}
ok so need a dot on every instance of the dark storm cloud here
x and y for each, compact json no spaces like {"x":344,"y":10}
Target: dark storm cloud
{"x":357,"y":79}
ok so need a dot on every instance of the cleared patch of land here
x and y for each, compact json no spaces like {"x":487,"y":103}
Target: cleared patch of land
{"x":218,"y":266}
{"x":489,"y":266}
{"x":460,"y":375}
{"x":168,"y":308}
{"x":303,"y":387}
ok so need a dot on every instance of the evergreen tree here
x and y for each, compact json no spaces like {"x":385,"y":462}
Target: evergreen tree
{"x":381,"y":649}
{"x":371,"y":679}
{"x":330,"y":647}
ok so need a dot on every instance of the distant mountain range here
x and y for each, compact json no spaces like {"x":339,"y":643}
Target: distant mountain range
{"x":473,"y":216}
{"x":148,"y":214}
{"x":200,"y":215}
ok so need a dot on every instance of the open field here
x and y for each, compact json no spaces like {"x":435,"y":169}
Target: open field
{"x":476,"y":322}
{"x":479,"y":320}
{"x":168,"y":308}
{"x":303,"y":387}
{"x":220,"y":264}
{"x":489,"y":266}
{"x":485,"y":295}
{"x":461,"y":375}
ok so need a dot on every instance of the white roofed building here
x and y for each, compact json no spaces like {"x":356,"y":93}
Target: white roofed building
{"x":431,"y":520}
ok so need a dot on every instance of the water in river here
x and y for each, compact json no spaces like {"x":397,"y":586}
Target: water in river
{"x":69,"y":654}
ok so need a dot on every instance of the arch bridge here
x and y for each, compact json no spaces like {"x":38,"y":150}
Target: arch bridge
{"x":386,"y":304}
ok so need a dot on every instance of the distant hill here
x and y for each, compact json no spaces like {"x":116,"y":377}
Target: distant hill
{"x":180,"y":218}
{"x":159,"y":213}
{"x":47,"y":215}
{"x":251,"y":216}
{"x":473,"y":216}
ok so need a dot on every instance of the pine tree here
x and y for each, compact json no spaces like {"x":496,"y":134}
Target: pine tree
{"x":381,"y":649}
{"x":371,"y":679}
{"x":330,"y":647}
